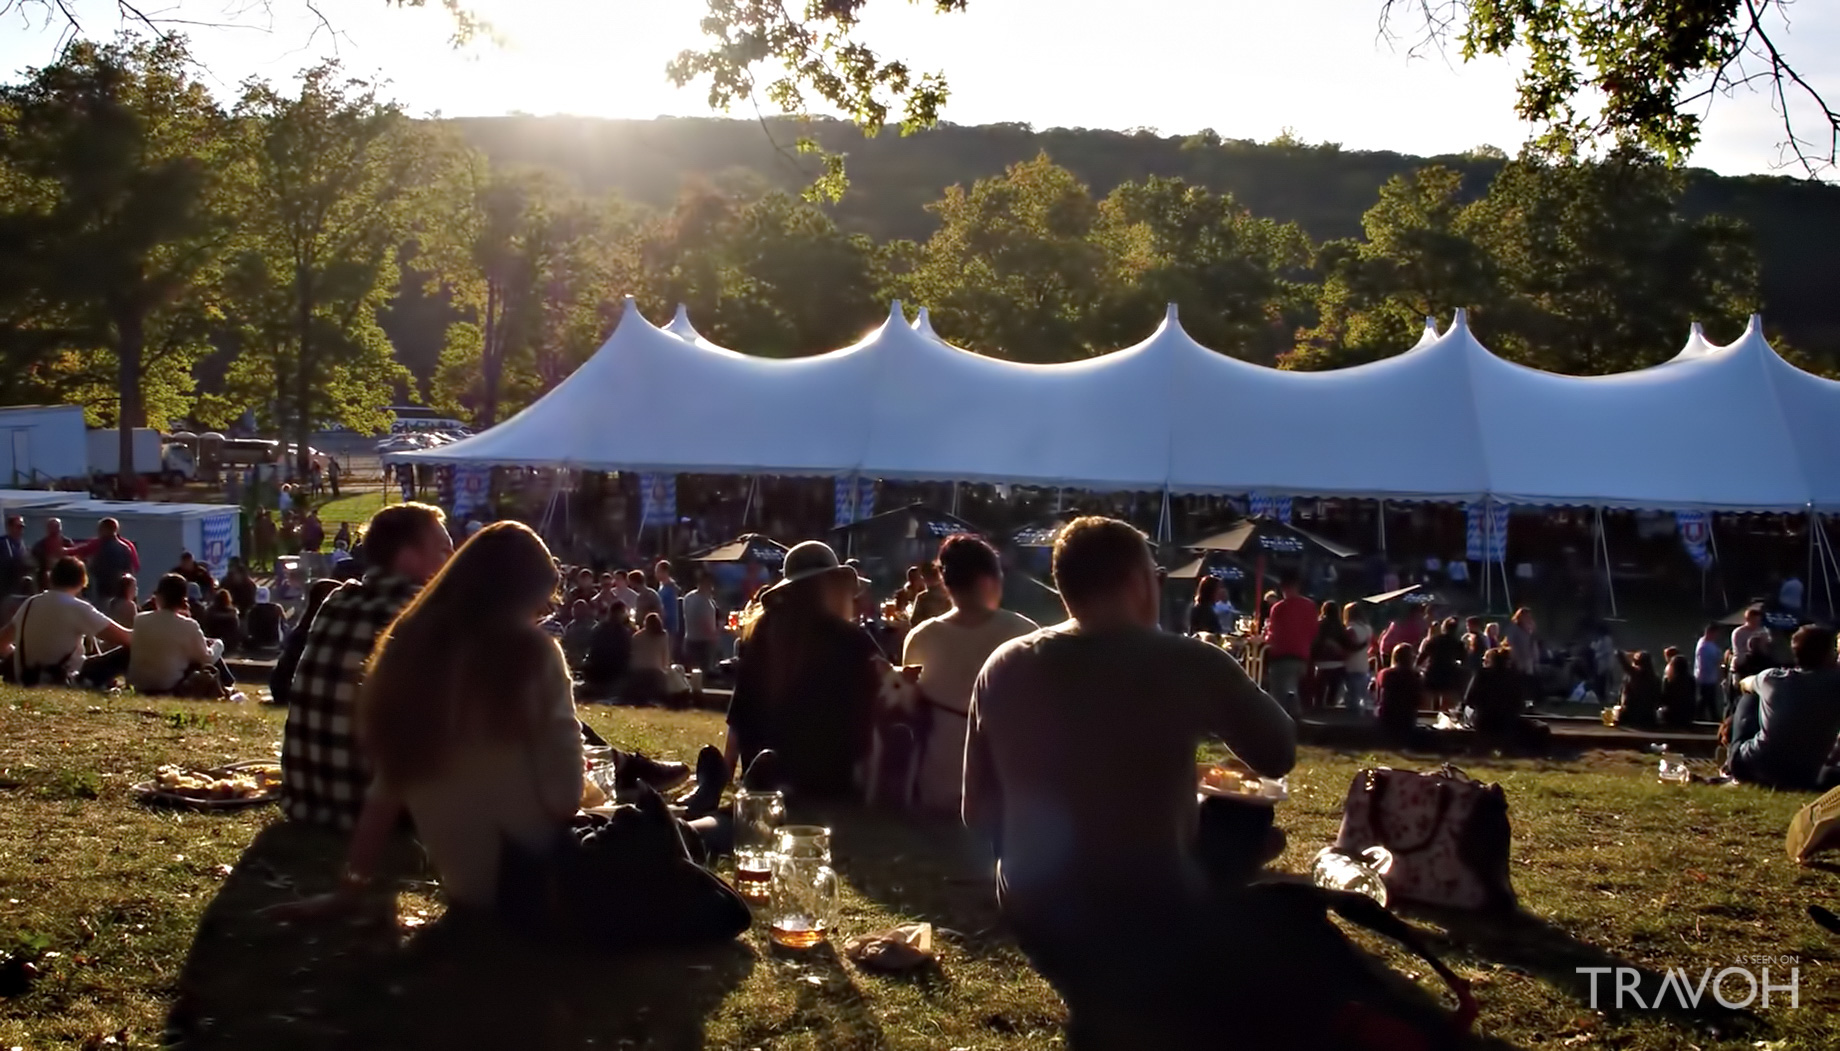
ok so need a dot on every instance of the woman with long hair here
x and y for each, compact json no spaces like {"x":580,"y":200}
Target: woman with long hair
{"x":467,"y":715}
{"x":1641,"y":695}
{"x":807,"y":677}
{"x":1401,"y":691}
{"x":1202,"y":616}
{"x":651,"y":661}
{"x":125,"y":605}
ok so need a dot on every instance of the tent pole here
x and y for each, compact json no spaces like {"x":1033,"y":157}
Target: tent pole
{"x":1829,"y":561}
{"x":1383,"y":528}
{"x":1808,"y":591}
{"x":954,"y":500}
{"x":1712,"y":538}
{"x":747,"y":508}
{"x":1603,"y":539}
{"x":1162,"y":521}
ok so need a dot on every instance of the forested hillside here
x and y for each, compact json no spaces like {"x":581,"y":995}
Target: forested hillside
{"x":1322,"y":188}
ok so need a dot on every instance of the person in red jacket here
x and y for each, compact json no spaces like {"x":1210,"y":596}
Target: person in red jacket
{"x":1289,"y":635}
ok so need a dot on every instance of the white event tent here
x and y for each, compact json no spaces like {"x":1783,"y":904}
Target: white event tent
{"x":1732,"y":428}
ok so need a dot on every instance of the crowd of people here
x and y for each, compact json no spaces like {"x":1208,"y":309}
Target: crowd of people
{"x":438,"y":690}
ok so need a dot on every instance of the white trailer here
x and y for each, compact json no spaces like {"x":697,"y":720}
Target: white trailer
{"x":149,"y":453}
{"x":160,"y":531}
{"x":40,"y":444}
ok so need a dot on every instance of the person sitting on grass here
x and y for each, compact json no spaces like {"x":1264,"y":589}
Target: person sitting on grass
{"x":1103,"y":880}
{"x":168,"y":644}
{"x":579,"y":632}
{"x":651,"y":662}
{"x":124,"y":601}
{"x":609,"y":653}
{"x":807,"y":677}
{"x":1784,"y":729}
{"x":324,"y":774}
{"x":1641,"y":703}
{"x":467,"y":713}
{"x":283,"y":677}
{"x":950,"y":651}
{"x":1496,"y":701}
{"x":1401,"y":692}
{"x":46,"y":635}
{"x":1679,"y":693}
{"x":221,"y":622}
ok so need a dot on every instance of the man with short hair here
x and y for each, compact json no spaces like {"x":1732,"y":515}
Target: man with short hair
{"x":45,"y":636}
{"x":702,"y":623}
{"x":645,"y":599}
{"x":1706,"y":671}
{"x":669,"y":599}
{"x":168,"y":643}
{"x":324,"y":778}
{"x":1753,"y":627}
{"x":50,"y":547}
{"x":1080,"y":769}
{"x":934,"y":600}
{"x":1787,"y":720}
{"x":110,"y":556}
{"x":624,"y":594}
{"x":196,"y":572}
{"x":15,"y":560}
{"x":1290,"y":634}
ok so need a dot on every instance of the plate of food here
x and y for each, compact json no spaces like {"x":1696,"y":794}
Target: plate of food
{"x":220,"y":788}
{"x":1222,"y":781}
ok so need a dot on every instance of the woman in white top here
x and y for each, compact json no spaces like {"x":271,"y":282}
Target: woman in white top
{"x":467,"y":715}
{"x":167,"y":642}
{"x":951,"y":650}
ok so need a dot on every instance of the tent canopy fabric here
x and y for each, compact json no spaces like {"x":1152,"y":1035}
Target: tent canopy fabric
{"x":1732,"y":428}
{"x":922,"y":522}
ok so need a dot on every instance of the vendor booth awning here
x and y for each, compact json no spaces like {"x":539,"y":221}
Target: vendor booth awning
{"x":1258,"y":534}
{"x":749,"y":547}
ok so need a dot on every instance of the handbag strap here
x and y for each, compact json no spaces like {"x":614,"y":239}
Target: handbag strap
{"x":19,"y":644}
{"x":1376,"y":810}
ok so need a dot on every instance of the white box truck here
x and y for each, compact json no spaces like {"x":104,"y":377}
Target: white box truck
{"x":153,"y":458}
{"x":41,"y":444}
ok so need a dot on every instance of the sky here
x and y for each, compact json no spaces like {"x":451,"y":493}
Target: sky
{"x":1249,"y":69}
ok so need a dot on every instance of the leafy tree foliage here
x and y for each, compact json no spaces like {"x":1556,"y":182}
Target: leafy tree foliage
{"x":112,"y":224}
{"x":334,"y":184}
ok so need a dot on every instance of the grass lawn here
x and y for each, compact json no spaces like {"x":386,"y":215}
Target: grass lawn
{"x":152,"y":915}
{"x":356,"y":508}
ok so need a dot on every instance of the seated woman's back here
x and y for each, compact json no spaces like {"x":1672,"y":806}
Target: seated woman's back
{"x":810,"y":700}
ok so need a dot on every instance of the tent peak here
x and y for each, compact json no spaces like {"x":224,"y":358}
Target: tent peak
{"x":629,"y":308}
{"x":1169,"y":312}
{"x":1460,"y":322}
{"x":1755,"y":327}
{"x":895,"y":313}
{"x":923,"y":324}
{"x":1698,"y":330}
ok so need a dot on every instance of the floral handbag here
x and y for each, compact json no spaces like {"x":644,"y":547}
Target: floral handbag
{"x":1448,"y":834}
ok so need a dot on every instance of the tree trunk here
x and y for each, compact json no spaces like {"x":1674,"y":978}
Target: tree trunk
{"x":489,"y":359}
{"x":130,"y":341}
{"x":303,"y":378}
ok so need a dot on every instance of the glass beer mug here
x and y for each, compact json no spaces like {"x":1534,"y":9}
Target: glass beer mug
{"x":802,"y":907}
{"x":757,"y":820}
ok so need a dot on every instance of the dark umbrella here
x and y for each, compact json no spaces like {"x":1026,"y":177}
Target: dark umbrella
{"x":744,"y":548}
{"x":1041,"y":533}
{"x":1213,"y":564}
{"x":922,"y":522}
{"x":1262,"y":536}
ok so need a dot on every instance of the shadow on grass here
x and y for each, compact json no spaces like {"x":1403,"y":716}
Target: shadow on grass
{"x":1525,"y":942}
{"x":457,"y":982}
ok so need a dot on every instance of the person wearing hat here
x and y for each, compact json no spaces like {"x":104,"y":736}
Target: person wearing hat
{"x":807,"y":676}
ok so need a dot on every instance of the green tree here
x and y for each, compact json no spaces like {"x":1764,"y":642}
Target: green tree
{"x":113,"y":159}
{"x":1012,"y":270}
{"x":335,"y":188}
{"x":1414,"y":262}
{"x":1599,"y":271}
{"x":1235,"y":277}
{"x":770,"y":274}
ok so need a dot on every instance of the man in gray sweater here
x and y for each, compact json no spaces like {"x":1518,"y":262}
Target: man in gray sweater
{"x":1080,"y":769}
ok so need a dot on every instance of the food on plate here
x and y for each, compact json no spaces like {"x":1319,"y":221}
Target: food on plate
{"x":591,"y":794}
{"x":1234,"y":782}
{"x":217,"y":785}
